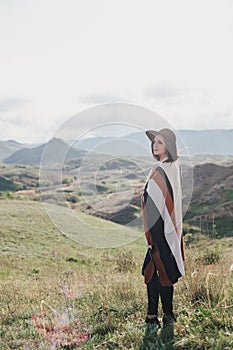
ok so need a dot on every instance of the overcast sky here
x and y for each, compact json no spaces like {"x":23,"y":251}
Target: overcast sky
{"x":61,"y":57}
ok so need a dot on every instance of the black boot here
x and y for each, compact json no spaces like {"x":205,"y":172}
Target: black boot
{"x":169,"y":319}
{"x":152,"y":321}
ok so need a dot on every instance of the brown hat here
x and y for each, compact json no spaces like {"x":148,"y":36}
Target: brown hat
{"x":169,"y":138}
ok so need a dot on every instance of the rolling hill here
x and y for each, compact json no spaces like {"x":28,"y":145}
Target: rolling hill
{"x":211,"y":203}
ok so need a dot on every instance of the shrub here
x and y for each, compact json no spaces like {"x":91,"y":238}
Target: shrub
{"x":210,"y":257}
{"x":73,"y":199}
{"x":71,"y":259}
{"x":188,"y":238}
{"x":125,"y":261}
{"x":67,"y":180}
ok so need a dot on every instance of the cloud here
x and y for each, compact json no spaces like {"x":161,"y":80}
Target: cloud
{"x":15,"y":119}
{"x":8,"y":104}
{"x":100,"y":99}
{"x":24,"y":128}
{"x":162,"y":90}
{"x":15,"y":111}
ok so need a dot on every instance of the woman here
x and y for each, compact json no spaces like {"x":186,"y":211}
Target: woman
{"x":162,"y":218}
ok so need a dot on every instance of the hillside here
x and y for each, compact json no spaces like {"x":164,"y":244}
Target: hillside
{"x":56,"y":292}
{"x":111,"y":188}
{"x":212,"y":200}
{"x":207,"y":175}
{"x":8,"y":185}
{"x":56,"y":151}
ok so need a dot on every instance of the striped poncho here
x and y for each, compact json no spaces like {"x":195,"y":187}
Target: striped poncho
{"x":162,"y":218}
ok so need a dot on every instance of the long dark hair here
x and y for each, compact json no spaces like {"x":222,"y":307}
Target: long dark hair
{"x":171,"y":153}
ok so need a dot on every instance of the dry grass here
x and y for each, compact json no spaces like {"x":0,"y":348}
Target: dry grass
{"x":72,"y":291}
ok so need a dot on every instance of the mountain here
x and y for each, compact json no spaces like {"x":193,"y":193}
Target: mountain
{"x":135,"y":144}
{"x":56,"y":150}
{"x":208,"y":141}
{"x":7,"y":148}
{"x":202,"y":142}
{"x":197,"y":142}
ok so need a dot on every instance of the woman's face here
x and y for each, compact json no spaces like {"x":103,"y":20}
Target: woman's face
{"x":159,"y":147}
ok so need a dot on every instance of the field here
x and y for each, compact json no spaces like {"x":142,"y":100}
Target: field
{"x":55,"y":291}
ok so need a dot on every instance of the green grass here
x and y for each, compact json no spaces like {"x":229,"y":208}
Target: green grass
{"x":200,"y":209}
{"x":224,"y":226}
{"x":229,"y":196}
{"x":101,"y":291}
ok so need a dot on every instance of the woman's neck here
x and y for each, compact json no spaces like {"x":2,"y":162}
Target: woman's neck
{"x":162,"y":158}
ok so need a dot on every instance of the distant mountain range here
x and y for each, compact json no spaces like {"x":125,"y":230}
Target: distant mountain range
{"x":213,"y":142}
{"x":7,"y":148}
{"x":218,"y":142}
{"x":56,"y":151}
{"x":197,"y":142}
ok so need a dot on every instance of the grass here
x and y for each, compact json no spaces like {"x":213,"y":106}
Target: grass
{"x":224,"y":226}
{"x":101,"y":291}
{"x":229,"y":196}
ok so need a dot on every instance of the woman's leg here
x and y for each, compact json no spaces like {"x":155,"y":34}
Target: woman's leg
{"x":153,"y":295}
{"x":166,"y":294}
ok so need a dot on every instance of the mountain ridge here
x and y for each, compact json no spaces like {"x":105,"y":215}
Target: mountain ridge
{"x":7,"y":148}
{"x":55,"y":151}
{"x":196,"y":142}
{"x":193,"y":142}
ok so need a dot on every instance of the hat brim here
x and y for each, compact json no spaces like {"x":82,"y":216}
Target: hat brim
{"x":151,"y":134}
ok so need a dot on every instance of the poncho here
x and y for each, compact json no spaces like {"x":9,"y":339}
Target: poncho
{"x":162,"y":218}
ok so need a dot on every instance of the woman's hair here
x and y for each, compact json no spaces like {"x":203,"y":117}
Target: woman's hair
{"x":171,"y":153}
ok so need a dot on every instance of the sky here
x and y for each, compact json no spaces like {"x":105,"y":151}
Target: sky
{"x":59,"y":58}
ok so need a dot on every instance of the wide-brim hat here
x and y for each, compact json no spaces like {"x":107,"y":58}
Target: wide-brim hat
{"x":169,"y":139}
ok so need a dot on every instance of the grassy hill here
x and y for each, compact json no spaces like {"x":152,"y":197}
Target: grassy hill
{"x":68,"y":287}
